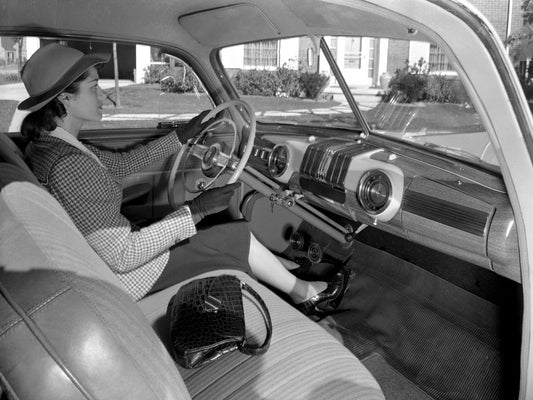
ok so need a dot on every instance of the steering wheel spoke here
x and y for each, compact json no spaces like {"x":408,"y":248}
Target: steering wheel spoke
{"x":198,"y":150}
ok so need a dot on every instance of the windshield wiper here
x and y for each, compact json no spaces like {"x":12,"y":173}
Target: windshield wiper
{"x":344,"y":87}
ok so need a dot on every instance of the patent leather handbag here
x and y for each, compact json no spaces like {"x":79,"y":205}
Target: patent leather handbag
{"x":207,"y":320}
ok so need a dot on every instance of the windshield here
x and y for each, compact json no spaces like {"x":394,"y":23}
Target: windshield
{"x":404,"y":89}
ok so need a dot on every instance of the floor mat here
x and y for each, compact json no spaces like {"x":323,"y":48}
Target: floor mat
{"x":393,"y":384}
{"x":444,"y":340}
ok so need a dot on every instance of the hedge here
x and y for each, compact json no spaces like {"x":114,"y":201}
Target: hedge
{"x":178,"y":79}
{"x":283,"y":82}
{"x":416,"y":83}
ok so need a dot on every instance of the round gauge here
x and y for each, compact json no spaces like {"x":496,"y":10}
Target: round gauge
{"x":278,"y":161}
{"x":374,"y":191}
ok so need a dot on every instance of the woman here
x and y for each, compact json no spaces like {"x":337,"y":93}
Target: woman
{"x":63,"y":86}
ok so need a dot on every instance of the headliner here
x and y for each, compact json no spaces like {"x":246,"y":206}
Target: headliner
{"x":196,"y":23}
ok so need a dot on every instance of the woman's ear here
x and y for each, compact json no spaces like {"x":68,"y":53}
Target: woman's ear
{"x":64,"y":98}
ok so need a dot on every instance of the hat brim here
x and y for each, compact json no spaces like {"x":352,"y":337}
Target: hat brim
{"x":34,"y":103}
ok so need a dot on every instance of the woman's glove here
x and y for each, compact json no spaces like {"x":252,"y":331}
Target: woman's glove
{"x":212,"y":201}
{"x":194,"y":127}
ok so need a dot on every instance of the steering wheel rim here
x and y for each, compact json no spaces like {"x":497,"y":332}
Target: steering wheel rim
{"x":192,"y":147}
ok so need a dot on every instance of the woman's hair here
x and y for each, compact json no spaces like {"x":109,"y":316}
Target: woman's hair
{"x":44,"y":119}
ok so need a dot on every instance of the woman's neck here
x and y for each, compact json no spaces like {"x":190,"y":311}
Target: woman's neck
{"x":71,"y":126}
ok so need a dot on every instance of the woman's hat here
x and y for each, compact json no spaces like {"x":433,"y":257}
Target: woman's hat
{"x":51,"y":69}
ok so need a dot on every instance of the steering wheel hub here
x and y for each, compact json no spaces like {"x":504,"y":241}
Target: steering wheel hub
{"x":213,"y":159}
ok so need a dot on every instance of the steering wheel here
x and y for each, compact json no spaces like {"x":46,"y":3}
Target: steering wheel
{"x":214,"y":161}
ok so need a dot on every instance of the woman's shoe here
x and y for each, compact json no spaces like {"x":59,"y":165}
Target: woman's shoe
{"x":330,"y":298}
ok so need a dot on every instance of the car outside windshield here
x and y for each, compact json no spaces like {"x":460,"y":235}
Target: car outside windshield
{"x":404,"y":89}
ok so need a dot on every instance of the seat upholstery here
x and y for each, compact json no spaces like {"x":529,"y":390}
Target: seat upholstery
{"x":10,"y":153}
{"x":114,"y":348}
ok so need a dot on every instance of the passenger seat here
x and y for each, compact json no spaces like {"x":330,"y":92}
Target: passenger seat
{"x":69,"y":330}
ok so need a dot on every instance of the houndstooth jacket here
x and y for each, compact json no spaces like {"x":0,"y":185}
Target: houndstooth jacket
{"x":91,"y":194}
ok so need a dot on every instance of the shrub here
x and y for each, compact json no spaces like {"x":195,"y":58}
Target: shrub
{"x":415,"y":83}
{"x":12,"y":77}
{"x":313,"y":83}
{"x":155,"y":72}
{"x":289,"y":82}
{"x":257,"y":82}
{"x":179,"y":79}
{"x":283,"y":82}
{"x":184,"y":81}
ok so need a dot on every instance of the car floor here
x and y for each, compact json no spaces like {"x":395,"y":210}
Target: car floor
{"x":451,"y":332}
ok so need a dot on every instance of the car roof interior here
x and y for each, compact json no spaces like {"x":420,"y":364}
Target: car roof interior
{"x":199,"y":23}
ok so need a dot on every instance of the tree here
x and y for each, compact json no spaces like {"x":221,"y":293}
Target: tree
{"x":521,"y":42}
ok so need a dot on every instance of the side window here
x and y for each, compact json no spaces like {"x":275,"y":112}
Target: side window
{"x":141,"y":85}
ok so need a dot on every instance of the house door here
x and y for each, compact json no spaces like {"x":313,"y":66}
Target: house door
{"x":355,"y":56}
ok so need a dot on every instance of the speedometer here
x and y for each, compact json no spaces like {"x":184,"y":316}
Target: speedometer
{"x":278,"y":161}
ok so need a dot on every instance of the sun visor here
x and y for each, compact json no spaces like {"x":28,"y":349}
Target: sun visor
{"x":324,"y":17}
{"x":227,"y":25}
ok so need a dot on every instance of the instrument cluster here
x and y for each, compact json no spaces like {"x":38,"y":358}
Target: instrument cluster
{"x":335,"y":170}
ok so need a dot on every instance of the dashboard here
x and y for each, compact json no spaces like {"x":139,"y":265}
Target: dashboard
{"x":438,"y":202}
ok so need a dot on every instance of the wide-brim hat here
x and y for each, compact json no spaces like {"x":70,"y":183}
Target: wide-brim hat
{"x":51,"y":69}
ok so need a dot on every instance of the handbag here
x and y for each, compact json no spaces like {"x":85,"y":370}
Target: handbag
{"x":207,"y":320}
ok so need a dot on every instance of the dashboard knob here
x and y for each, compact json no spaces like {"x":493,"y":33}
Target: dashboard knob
{"x":314,"y":253}
{"x":297,"y":241}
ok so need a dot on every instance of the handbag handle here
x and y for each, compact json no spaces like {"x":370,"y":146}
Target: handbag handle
{"x":257,"y":349}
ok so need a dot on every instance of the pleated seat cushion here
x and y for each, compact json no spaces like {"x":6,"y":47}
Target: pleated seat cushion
{"x":303,"y":362}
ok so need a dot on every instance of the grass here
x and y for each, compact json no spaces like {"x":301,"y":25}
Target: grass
{"x":149,"y":99}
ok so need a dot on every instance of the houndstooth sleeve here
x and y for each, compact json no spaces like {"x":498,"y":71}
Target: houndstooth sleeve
{"x":125,"y":163}
{"x":92,"y":197}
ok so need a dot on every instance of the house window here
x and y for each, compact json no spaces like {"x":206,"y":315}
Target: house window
{"x":261,"y":54}
{"x":333,"y":47}
{"x":352,"y":52}
{"x":437,"y":59}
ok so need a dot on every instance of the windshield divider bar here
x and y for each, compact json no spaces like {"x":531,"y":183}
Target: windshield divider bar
{"x":344,"y":87}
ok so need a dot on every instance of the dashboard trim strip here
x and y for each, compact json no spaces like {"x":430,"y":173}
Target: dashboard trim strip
{"x":457,"y":216}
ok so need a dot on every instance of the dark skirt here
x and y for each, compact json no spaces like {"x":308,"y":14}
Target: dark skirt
{"x":222,"y":246}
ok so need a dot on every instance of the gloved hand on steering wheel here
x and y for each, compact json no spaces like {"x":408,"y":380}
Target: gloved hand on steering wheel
{"x":212,"y":201}
{"x":194,"y":127}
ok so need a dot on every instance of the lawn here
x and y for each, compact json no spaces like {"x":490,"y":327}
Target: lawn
{"x":149,"y":99}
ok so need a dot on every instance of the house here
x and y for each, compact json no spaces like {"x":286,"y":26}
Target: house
{"x":363,"y":60}
{"x":9,"y":53}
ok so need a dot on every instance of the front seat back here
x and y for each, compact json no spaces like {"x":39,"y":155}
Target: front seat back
{"x":68,"y":330}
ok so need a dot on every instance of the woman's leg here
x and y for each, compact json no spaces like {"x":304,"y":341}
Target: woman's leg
{"x":271,"y":270}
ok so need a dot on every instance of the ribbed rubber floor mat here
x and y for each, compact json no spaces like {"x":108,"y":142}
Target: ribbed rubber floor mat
{"x":446,"y":341}
{"x":394,"y":385}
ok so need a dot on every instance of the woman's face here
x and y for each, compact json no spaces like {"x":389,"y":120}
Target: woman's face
{"x":86,"y":105}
